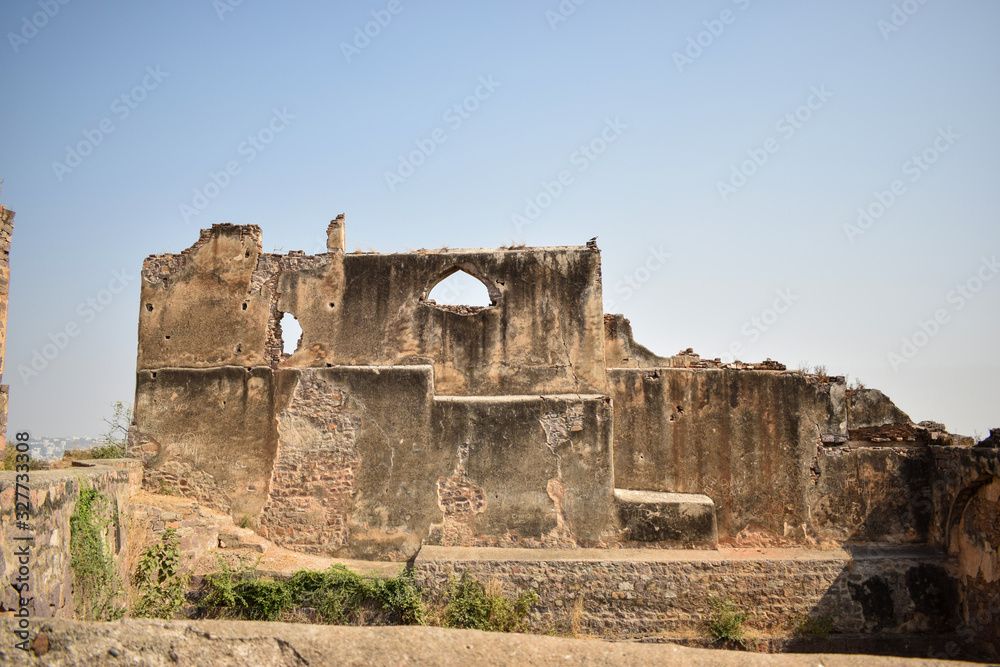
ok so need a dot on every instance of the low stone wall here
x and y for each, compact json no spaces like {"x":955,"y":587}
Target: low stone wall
{"x":52,"y":496}
{"x":632,"y":593}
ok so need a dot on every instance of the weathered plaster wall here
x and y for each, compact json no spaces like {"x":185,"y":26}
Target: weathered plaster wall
{"x":208,"y":306}
{"x":355,"y":468}
{"x":53,"y":495}
{"x":350,"y":445}
{"x":525,"y":470}
{"x":380,"y":316}
{"x":861,"y":493}
{"x":870,"y":407}
{"x":218,"y":302}
{"x":208,"y":433}
{"x":746,"y":439}
{"x":370,"y":464}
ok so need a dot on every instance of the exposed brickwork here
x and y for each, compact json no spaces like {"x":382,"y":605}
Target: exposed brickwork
{"x":557,"y":427}
{"x":460,"y":501}
{"x":177,"y":475}
{"x":314,"y":469}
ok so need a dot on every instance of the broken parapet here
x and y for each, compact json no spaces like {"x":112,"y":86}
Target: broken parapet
{"x":341,"y":447}
{"x":336,"y":235}
{"x":993,"y":440}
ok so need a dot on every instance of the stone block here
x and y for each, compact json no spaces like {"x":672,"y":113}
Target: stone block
{"x":684,"y":518}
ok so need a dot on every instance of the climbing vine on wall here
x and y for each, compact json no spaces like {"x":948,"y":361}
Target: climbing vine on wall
{"x":97,"y":589}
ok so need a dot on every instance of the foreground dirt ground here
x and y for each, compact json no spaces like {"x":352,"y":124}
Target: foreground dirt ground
{"x":224,"y":643}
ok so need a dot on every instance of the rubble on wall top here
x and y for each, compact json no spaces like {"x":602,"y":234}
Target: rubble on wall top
{"x":992,"y":441}
{"x":924,"y":433}
{"x":458,"y":309}
{"x":690,"y":359}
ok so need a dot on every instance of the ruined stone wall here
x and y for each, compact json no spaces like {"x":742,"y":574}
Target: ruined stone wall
{"x":397,"y":420}
{"x":966,"y":522}
{"x":53,"y":495}
{"x":866,"y":493}
{"x":6,"y":232}
{"x":746,"y":439}
{"x":219,"y":303}
{"x":525,"y":471}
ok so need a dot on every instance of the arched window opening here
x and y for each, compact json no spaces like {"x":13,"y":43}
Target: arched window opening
{"x":462,"y":291}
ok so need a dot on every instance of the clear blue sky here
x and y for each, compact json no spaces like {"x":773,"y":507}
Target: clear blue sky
{"x":666,"y":121}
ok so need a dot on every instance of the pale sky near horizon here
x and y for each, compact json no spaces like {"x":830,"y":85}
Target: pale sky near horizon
{"x":721,"y":151}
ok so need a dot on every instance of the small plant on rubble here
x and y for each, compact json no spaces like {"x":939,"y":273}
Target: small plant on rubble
{"x":725,"y":623}
{"x":159,"y":581}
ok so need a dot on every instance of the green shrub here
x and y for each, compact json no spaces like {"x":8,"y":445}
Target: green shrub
{"x":339,"y":596}
{"x":159,"y":582}
{"x":96,"y":585}
{"x":474,"y":606}
{"x":725,"y":623}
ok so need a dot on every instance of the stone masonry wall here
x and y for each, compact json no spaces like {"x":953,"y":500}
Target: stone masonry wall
{"x":53,"y":495}
{"x":639,"y":593}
